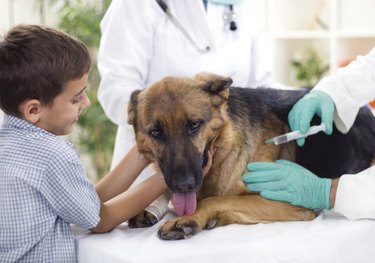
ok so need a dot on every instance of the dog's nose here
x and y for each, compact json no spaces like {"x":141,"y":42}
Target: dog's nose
{"x":184,"y":186}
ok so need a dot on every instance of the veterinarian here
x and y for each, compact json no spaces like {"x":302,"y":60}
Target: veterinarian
{"x":146,"y":40}
{"x":335,"y":99}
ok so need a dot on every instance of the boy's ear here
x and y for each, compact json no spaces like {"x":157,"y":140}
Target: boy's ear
{"x":30,"y":110}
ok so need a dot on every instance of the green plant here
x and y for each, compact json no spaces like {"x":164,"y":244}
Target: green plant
{"x":309,"y":68}
{"x":96,"y":133}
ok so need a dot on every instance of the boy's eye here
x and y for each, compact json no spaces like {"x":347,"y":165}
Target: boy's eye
{"x":77,"y":99}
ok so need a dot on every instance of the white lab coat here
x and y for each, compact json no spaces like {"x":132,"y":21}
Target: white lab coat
{"x":140,"y":45}
{"x":351,"y":88}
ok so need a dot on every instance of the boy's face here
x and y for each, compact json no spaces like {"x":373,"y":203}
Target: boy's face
{"x":66,"y":108}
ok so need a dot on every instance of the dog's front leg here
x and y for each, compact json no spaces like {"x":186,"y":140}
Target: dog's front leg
{"x":219,"y":211}
{"x":152,"y":214}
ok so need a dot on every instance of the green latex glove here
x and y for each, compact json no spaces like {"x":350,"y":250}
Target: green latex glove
{"x":313,"y":103}
{"x":288,"y":182}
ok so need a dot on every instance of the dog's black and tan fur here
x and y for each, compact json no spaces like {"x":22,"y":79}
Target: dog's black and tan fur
{"x":177,"y":119}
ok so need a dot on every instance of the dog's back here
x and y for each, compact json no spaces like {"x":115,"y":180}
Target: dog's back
{"x":326,"y":156}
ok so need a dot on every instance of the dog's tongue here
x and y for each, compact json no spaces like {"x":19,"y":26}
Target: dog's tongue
{"x":184,"y":204}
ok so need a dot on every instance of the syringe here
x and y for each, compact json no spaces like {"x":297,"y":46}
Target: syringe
{"x":287,"y":137}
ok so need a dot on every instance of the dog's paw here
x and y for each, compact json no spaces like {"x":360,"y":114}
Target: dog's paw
{"x":143,"y":219}
{"x":180,"y":228}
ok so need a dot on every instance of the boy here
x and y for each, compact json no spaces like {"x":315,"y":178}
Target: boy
{"x":43,"y":185}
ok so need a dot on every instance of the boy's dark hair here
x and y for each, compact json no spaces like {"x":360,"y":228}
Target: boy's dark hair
{"x":36,"y":62}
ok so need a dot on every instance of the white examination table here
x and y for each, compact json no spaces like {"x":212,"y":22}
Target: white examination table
{"x":329,"y":238}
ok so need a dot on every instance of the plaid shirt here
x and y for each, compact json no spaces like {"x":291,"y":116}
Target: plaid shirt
{"x":43,"y":189}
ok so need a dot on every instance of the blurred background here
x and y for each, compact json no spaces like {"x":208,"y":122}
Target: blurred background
{"x":309,"y":39}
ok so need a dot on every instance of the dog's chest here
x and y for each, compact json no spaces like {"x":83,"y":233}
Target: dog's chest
{"x":222,"y":187}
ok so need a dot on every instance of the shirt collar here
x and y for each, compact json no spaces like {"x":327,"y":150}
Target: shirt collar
{"x":21,"y":124}
{"x":12,"y":121}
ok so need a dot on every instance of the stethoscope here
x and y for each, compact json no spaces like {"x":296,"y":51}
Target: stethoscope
{"x":229,"y":19}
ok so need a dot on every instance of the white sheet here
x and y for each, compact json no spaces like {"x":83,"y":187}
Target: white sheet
{"x":329,"y":238}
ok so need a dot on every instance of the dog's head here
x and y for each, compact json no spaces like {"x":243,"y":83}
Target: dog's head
{"x":175,"y":121}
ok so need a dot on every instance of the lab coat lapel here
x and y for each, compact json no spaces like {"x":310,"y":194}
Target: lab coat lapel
{"x":191,"y":14}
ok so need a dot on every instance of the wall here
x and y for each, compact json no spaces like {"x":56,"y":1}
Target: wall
{"x":347,"y":30}
{"x":346,"y":37}
{"x":13,"y":12}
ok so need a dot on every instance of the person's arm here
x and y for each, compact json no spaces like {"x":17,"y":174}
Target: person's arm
{"x":355,"y":195}
{"x":289,"y":182}
{"x":337,"y":98}
{"x":129,"y":203}
{"x":350,"y":88}
{"x":122,"y":176}
{"x":118,"y":203}
{"x":276,"y":181}
{"x":333,"y":191}
{"x":351,"y":195}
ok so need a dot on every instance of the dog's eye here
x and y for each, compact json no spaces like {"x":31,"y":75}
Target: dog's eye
{"x":195,"y":126}
{"x":156,"y":133}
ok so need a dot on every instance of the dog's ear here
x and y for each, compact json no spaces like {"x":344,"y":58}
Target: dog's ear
{"x":217,"y":86}
{"x":132,"y":108}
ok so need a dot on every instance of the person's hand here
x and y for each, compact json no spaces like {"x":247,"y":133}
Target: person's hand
{"x":315,"y":102}
{"x":288,"y":182}
{"x":208,"y":165}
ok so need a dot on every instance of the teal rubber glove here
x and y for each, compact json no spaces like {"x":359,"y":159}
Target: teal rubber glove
{"x":288,"y":182}
{"x":313,"y":103}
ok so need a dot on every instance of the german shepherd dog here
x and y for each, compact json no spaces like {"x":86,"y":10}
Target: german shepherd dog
{"x":176,"y":120}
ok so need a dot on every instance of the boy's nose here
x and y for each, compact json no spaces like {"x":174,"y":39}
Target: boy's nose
{"x":86,"y":102}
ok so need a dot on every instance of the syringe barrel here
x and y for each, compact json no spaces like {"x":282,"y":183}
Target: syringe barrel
{"x":297,"y":134}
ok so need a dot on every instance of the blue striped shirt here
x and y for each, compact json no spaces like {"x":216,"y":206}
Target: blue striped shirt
{"x":43,"y":189}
